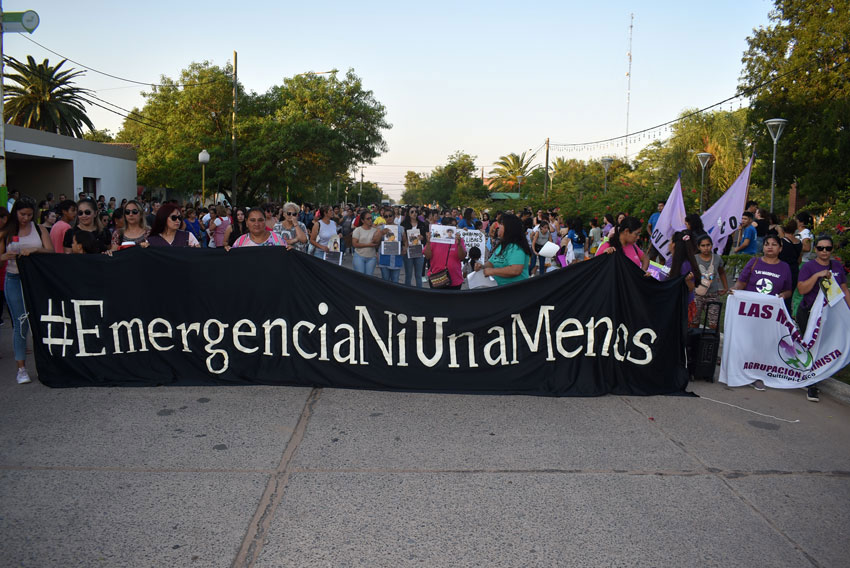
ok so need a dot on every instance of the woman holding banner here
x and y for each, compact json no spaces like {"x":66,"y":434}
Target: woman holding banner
{"x":623,"y":239}
{"x":766,"y":275}
{"x":511,"y":257}
{"x":258,"y":235}
{"x":812,"y":275}
{"x":20,"y":237}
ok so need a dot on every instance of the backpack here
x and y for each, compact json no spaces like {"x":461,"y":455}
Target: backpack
{"x":580,"y":238}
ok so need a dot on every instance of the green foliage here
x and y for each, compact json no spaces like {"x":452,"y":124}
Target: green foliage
{"x":45,"y":98}
{"x":722,"y":134}
{"x":295,"y":139}
{"x":805,"y":52}
{"x":99,"y":136}
{"x":449,"y":184}
{"x":507,"y":171}
{"x":833,"y":218}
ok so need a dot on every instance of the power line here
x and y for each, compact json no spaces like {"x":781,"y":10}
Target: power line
{"x":126,"y":116}
{"x":147,"y":118}
{"x":145,"y":83}
{"x":744,"y":93}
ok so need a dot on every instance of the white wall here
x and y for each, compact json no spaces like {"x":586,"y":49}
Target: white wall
{"x":117,"y":176}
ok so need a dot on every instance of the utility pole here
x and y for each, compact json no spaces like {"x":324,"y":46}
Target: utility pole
{"x":546,"y":172}
{"x":233,"y":134}
{"x":4,"y":192}
{"x":360,"y":195}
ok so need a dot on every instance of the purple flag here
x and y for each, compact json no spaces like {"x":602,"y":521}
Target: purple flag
{"x":672,"y":219}
{"x":725,"y":215}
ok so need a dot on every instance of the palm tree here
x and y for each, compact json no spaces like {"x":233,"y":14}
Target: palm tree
{"x":45,"y":98}
{"x":507,"y":169}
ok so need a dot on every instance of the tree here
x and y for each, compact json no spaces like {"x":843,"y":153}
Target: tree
{"x":291,"y":140}
{"x":507,"y":170}
{"x":99,"y":136}
{"x":45,"y":98}
{"x":797,"y":68}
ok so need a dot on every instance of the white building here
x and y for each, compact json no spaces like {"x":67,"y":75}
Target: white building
{"x":40,"y":162}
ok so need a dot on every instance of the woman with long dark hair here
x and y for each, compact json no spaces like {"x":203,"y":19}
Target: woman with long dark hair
{"x":323,"y":229}
{"x":683,"y":263}
{"x":413,"y":267}
{"x":512,"y":256}
{"x":166,"y":230}
{"x":89,"y":221}
{"x":20,"y":237}
{"x":237,"y":228}
{"x":623,"y":240}
{"x":467,"y":221}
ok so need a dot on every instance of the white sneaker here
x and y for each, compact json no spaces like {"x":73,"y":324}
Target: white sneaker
{"x":23,"y":376}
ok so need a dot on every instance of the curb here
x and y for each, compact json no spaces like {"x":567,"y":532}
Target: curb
{"x":835,"y":389}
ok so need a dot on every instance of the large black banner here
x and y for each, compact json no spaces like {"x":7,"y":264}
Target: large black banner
{"x":268,"y":316}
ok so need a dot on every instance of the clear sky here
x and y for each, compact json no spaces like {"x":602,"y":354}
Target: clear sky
{"x":488,"y":78}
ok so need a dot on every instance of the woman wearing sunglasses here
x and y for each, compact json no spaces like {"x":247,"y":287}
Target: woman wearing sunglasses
{"x":87,"y":221}
{"x":290,"y":229}
{"x":813,"y":272}
{"x":166,"y":230}
{"x":135,"y":228}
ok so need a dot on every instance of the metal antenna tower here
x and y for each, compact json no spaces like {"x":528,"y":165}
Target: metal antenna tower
{"x":629,"y":87}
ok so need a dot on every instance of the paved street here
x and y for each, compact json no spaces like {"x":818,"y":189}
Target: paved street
{"x":264,"y":476}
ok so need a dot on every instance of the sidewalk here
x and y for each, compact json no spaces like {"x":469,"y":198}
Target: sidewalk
{"x":282,"y":476}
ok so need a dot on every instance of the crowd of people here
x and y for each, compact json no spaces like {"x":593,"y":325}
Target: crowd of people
{"x":518,"y":244}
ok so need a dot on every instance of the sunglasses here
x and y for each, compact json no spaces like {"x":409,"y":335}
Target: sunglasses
{"x":85,"y":212}
{"x":827,"y":249}
{"x":176,"y":217}
{"x":291,"y":213}
{"x":131,"y":212}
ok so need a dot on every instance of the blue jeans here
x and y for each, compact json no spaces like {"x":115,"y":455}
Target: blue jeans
{"x":413,"y":269}
{"x":390,"y":274}
{"x":542,"y":260}
{"x":15,"y":300}
{"x":364,"y":265}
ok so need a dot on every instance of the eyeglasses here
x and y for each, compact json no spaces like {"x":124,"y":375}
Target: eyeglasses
{"x":291,"y":213}
{"x":131,"y":212}
{"x":827,"y":249}
{"x":176,"y":217}
{"x":85,"y":212}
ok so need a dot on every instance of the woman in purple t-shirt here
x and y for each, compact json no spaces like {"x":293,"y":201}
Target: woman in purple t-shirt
{"x":811,"y":274}
{"x":767,"y":274}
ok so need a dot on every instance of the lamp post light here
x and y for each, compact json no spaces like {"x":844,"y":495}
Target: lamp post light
{"x":519,"y":181}
{"x":703,"y":158}
{"x":775,"y":126}
{"x":606,"y":163}
{"x":204,"y":158}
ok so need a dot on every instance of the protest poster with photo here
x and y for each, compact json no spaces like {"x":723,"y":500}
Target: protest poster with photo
{"x":443,"y":234}
{"x":414,"y":243}
{"x":334,"y":253}
{"x":473,"y":238}
{"x":391,"y":242}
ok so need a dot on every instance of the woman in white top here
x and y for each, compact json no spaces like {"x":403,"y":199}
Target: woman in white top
{"x":23,"y":237}
{"x":323,"y":230}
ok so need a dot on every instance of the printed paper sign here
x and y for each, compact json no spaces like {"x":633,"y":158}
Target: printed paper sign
{"x":472,"y":238}
{"x":443,"y":234}
{"x":391,"y":243}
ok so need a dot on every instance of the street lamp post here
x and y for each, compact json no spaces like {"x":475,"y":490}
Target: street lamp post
{"x":606,"y":163}
{"x":204,"y":158}
{"x":519,"y":181}
{"x":703,"y":158}
{"x":775,"y":126}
